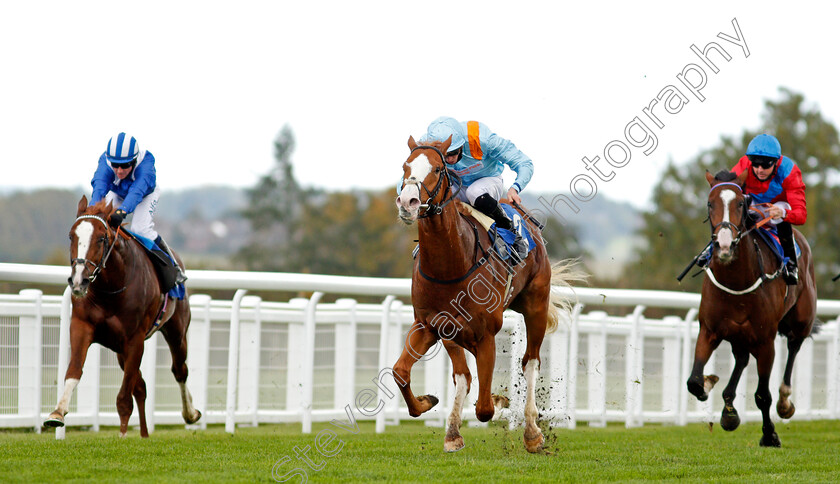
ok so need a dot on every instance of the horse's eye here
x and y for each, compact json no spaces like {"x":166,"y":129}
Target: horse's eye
{"x":709,"y":204}
{"x":437,"y":170}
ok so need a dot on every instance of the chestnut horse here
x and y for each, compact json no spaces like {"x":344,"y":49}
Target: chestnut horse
{"x":459,"y":293}
{"x":117,"y":308}
{"x":743,"y":304}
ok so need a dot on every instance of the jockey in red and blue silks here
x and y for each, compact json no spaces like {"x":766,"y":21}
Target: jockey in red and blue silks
{"x":776,"y":179}
{"x":478,"y":156}
{"x":126,"y":178}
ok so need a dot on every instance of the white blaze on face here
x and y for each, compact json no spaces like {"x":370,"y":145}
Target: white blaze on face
{"x":420,"y":168}
{"x":725,"y":235}
{"x":84,"y":234}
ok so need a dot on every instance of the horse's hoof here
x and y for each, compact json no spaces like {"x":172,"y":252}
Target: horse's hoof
{"x":194,"y":419}
{"x":122,"y":435}
{"x":54,"y":421}
{"x":453,"y":445}
{"x":729,"y":419}
{"x":783,"y":412}
{"x":427,"y":402}
{"x":709,"y":382}
{"x":771,"y":440}
{"x":534,"y":443}
{"x":696,"y":389}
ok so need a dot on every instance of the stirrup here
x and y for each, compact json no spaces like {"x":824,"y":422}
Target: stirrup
{"x":790,"y":274}
{"x":521,"y":246}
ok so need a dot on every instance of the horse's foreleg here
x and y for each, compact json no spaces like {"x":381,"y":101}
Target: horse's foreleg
{"x":81,"y":337}
{"x":130,"y":363}
{"x":764,"y":363}
{"x":699,"y":385}
{"x":417,"y":343}
{"x":784,"y":407}
{"x":729,"y":418}
{"x":485,"y":360}
{"x":462,"y":379}
{"x":175,"y":334}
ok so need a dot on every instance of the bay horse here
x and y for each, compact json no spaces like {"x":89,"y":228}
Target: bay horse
{"x":117,"y":307}
{"x":746,"y":306}
{"x":458,"y":290}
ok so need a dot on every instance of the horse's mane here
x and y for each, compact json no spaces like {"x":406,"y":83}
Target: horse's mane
{"x":725,"y":176}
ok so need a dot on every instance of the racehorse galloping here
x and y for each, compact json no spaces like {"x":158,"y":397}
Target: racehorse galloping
{"x":459,"y":294}
{"x":117,"y":307}
{"x":743,"y":304}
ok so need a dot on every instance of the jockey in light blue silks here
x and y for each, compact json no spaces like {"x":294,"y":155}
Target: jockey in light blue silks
{"x":125,"y":177}
{"x":479,"y":156}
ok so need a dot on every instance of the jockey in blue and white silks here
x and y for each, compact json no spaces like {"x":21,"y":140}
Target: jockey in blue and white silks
{"x":126,"y":178}
{"x":478,"y":156}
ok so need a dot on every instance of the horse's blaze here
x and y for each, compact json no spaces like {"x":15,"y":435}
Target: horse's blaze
{"x":84,"y":234}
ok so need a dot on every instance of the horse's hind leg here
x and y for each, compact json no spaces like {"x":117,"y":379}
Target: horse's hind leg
{"x":130,"y":363}
{"x":784,"y":407}
{"x":698,"y":384}
{"x":763,"y":399}
{"x":729,"y":419}
{"x":81,"y":337}
{"x":462,"y":379}
{"x":417,"y":343}
{"x":175,"y":334}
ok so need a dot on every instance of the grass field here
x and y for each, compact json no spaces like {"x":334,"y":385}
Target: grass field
{"x":414,"y":453}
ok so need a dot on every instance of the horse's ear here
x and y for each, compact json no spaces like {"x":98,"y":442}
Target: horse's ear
{"x":444,"y":147}
{"x":710,"y":178}
{"x":82,"y":206}
{"x":742,"y":178}
{"x":411,"y":143}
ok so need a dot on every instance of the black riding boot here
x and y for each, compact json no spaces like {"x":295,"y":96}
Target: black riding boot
{"x":490,"y":207}
{"x":181,"y":276}
{"x":790,"y":273}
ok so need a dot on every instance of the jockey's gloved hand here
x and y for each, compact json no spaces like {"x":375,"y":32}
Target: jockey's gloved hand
{"x":117,"y":218}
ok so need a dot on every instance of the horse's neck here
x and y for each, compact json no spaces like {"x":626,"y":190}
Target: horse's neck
{"x":114,"y":275}
{"x":745,"y":269}
{"x":446,"y":244}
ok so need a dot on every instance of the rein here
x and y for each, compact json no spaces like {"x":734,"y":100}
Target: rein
{"x":97,"y":268}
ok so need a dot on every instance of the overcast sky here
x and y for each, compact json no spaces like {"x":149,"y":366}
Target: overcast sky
{"x":206,"y":86}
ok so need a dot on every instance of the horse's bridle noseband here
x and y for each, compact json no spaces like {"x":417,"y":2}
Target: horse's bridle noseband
{"x":97,"y":268}
{"x":431,"y":208}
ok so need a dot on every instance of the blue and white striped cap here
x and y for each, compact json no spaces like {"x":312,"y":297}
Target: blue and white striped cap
{"x":122,"y":148}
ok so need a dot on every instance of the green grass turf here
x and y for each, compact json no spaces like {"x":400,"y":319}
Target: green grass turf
{"x":412,"y":452}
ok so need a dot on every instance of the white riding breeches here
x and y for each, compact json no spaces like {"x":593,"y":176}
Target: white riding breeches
{"x":494,"y":185}
{"x":143,"y":218}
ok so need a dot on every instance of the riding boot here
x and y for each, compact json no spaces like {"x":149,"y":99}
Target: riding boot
{"x":790,"y":272}
{"x":491,"y":207}
{"x":181,"y":276}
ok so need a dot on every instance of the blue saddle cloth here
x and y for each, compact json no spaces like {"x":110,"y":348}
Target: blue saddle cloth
{"x":179,"y":291}
{"x":771,"y":237}
{"x":508,"y":236}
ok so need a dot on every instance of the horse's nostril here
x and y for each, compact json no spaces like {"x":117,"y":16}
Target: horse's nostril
{"x":85,"y":281}
{"x":414,"y":202}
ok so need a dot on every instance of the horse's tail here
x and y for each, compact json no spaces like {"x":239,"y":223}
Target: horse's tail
{"x":563,"y":273}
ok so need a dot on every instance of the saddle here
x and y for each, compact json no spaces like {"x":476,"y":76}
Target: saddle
{"x":502,"y":239}
{"x":167,"y":272}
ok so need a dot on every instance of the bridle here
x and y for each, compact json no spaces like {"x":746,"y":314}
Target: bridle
{"x":430,"y":207}
{"x":763,"y":277}
{"x":97,"y":268}
{"x":726,"y":224}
